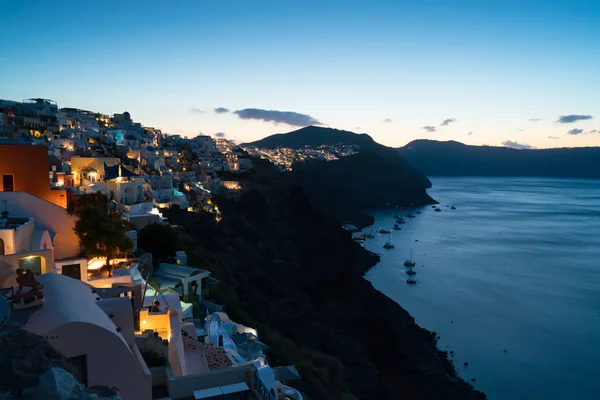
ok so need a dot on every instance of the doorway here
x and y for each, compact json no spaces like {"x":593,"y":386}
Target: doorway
{"x":8,"y":183}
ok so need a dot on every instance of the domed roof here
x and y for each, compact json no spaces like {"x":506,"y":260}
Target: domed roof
{"x":127,"y":115}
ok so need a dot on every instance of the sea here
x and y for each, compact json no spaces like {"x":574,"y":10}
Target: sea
{"x":509,"y":280}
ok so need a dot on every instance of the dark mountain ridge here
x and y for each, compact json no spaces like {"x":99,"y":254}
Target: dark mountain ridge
{"x":313,"y":136}
{"x":457,"y":159}
{"x":377,"y":176}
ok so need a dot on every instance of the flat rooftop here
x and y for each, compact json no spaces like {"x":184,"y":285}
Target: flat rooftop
{"x":13,"y":222}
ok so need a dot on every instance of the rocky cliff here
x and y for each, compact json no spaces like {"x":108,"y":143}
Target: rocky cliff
{"x":345,"y":189}
{"x":296,"y":275}
{"x":33,"y":370}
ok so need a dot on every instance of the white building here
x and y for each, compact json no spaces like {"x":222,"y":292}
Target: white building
{"x":23,"y":245}
{"x":45,"y":216}
{"x":161,"y":187}
{"x":95,"y":334}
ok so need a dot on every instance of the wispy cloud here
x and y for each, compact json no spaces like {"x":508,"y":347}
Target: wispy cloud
{"x":568,"y":119}
{"x":283,"y":117}
{"x":387,"y":120}
{"x":534,"y":119}
{"x":575,"y":131}
{"x":221,"y":110}
{"x":429,"y":128}
{"x":448,"y":121}
{"x":470,"y":133}
{"x":520,"y":130}
{"x":219,"y":134}
{"x":517,"y":145}
{"x":196,"y":110}
{"x":553,"y":137}
{"x":594,"y":131}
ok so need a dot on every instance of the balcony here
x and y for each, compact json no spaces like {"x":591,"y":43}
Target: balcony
{"x":12,"y":222}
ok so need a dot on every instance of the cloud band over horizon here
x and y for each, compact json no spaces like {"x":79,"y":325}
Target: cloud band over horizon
{"x":516,"y":145}
{"x":277,"y":117}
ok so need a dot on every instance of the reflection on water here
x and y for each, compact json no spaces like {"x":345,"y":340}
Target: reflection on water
{"x":510,"y":280}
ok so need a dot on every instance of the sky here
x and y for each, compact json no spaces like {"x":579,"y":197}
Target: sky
{"x":515,"y":73}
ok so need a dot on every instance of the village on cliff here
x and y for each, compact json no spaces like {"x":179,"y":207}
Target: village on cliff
{"x":76,"y":189}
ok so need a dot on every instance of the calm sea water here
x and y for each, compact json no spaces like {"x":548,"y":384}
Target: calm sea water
{"x":510,"y":280}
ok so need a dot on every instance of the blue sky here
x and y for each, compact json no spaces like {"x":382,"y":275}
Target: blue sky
{"x":493,"y":66}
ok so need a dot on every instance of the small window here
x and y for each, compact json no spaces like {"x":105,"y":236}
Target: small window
{"x":72,"y":270}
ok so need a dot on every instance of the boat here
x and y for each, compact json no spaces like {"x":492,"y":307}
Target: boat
{"x":411,"y":272}
{"x":433,"y":206}
{"x":388,"y":244}
{"x":384,"y":231}
{"x":397,"y":227}
{"x":359,"y":238}
{"x":418,"y":212}
{"x":369,"y":235}
{"x":453,"y":208}
{"x":401,"y":221}
{"x":411,"y":281}
{"x":438,"y":209}
{"x":410,"y":216}
{"x":409,"y":261}
{"x":351,"y":228}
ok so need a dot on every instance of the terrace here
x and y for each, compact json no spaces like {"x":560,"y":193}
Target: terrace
{"x":12,"y":222}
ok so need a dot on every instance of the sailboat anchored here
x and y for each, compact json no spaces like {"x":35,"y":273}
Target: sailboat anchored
{"x":388,"y":244}
{"x":409,"y":262}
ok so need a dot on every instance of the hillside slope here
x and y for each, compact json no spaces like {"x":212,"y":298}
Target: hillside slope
{"x":456,"y":159}
{"x":376,"y":177}
{"x":299,"y":274}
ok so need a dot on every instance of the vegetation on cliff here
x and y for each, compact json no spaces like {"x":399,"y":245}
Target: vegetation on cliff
{"x":297,"y":276}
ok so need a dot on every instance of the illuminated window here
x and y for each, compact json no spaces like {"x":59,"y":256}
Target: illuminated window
{"x":34,"y":263}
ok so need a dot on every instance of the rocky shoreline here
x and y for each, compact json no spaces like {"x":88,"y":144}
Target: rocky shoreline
{"x":298,"y":277}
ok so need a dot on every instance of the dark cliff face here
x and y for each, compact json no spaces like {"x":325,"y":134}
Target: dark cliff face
{"x":350,"y":186}
{"x":299,"y":274}
{"x":456,"y":159}
{"x":313,"y":136}
{"x":376,"y":177}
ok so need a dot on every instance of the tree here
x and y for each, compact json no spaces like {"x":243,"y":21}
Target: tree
{"x":100,"y":235}
{"x":160,"y":240}
{"x":97,"y":200}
